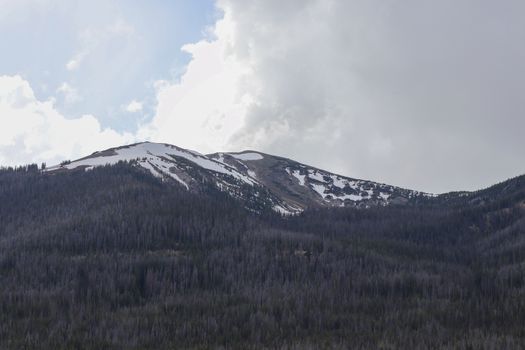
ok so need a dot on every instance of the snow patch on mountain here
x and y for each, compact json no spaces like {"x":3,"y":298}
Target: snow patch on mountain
{"x":158,"y":159}
{"x":220,"y":158}
{"x":298,"y":176}
{"x":247,"y":156}
{"x":334,"y":187}
{"x":320,"y":189}
{"x":312,"y":174}
{"x":338,"y":182}
{"x":287,"y":211}
{"x":353,"y":197}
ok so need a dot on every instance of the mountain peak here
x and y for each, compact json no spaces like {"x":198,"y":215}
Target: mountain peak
{"x":258,"y":178}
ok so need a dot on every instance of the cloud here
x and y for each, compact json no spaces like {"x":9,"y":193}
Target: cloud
{"x":70,"y":93}
{"x":93,"y":38}
{"x":133,"y":107}
{"x":34,"y":131}
{"x":74,"y":63}
{"x":121,"y":28}
{"x":207,"y":105}
{"x":422,"y":94}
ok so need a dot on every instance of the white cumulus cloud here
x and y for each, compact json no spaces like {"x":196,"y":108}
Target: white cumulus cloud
{"x":133,"y":107}
{"x":34,"y":131}
{"x":70,"y":94}
{"x":74,"y":63}
{"x":207,"y":105}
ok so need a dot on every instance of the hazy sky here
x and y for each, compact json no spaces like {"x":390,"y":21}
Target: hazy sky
{"x":423,"y":94}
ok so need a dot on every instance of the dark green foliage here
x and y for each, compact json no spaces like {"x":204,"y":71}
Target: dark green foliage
{"x":113,"y":258}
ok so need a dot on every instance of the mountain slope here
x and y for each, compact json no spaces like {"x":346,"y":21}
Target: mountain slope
{"x":260,"y":179}
{"x":305,"y":186}
{"x":113,"y":259}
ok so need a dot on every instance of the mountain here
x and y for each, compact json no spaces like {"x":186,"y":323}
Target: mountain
{"x":113,"y":258}
{"x":259,"y":179}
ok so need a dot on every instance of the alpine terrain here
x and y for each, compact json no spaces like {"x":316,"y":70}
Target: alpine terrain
{"x":257,"y":178}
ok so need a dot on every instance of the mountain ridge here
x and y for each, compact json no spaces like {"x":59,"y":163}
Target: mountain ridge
{"x":96,"y":257}
{"x":258,"y":178}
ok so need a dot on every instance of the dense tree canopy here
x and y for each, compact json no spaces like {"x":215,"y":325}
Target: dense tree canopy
{"x":113,"y":258}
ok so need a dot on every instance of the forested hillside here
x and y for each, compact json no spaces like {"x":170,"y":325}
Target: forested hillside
{"x":114,"y":258}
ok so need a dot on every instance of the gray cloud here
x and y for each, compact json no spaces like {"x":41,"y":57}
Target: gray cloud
{"x":418,"y":93}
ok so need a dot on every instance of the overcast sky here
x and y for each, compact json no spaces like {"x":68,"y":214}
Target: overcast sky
{"x":422,"y":94}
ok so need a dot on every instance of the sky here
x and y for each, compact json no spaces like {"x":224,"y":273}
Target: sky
{"x":422,"y":94}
